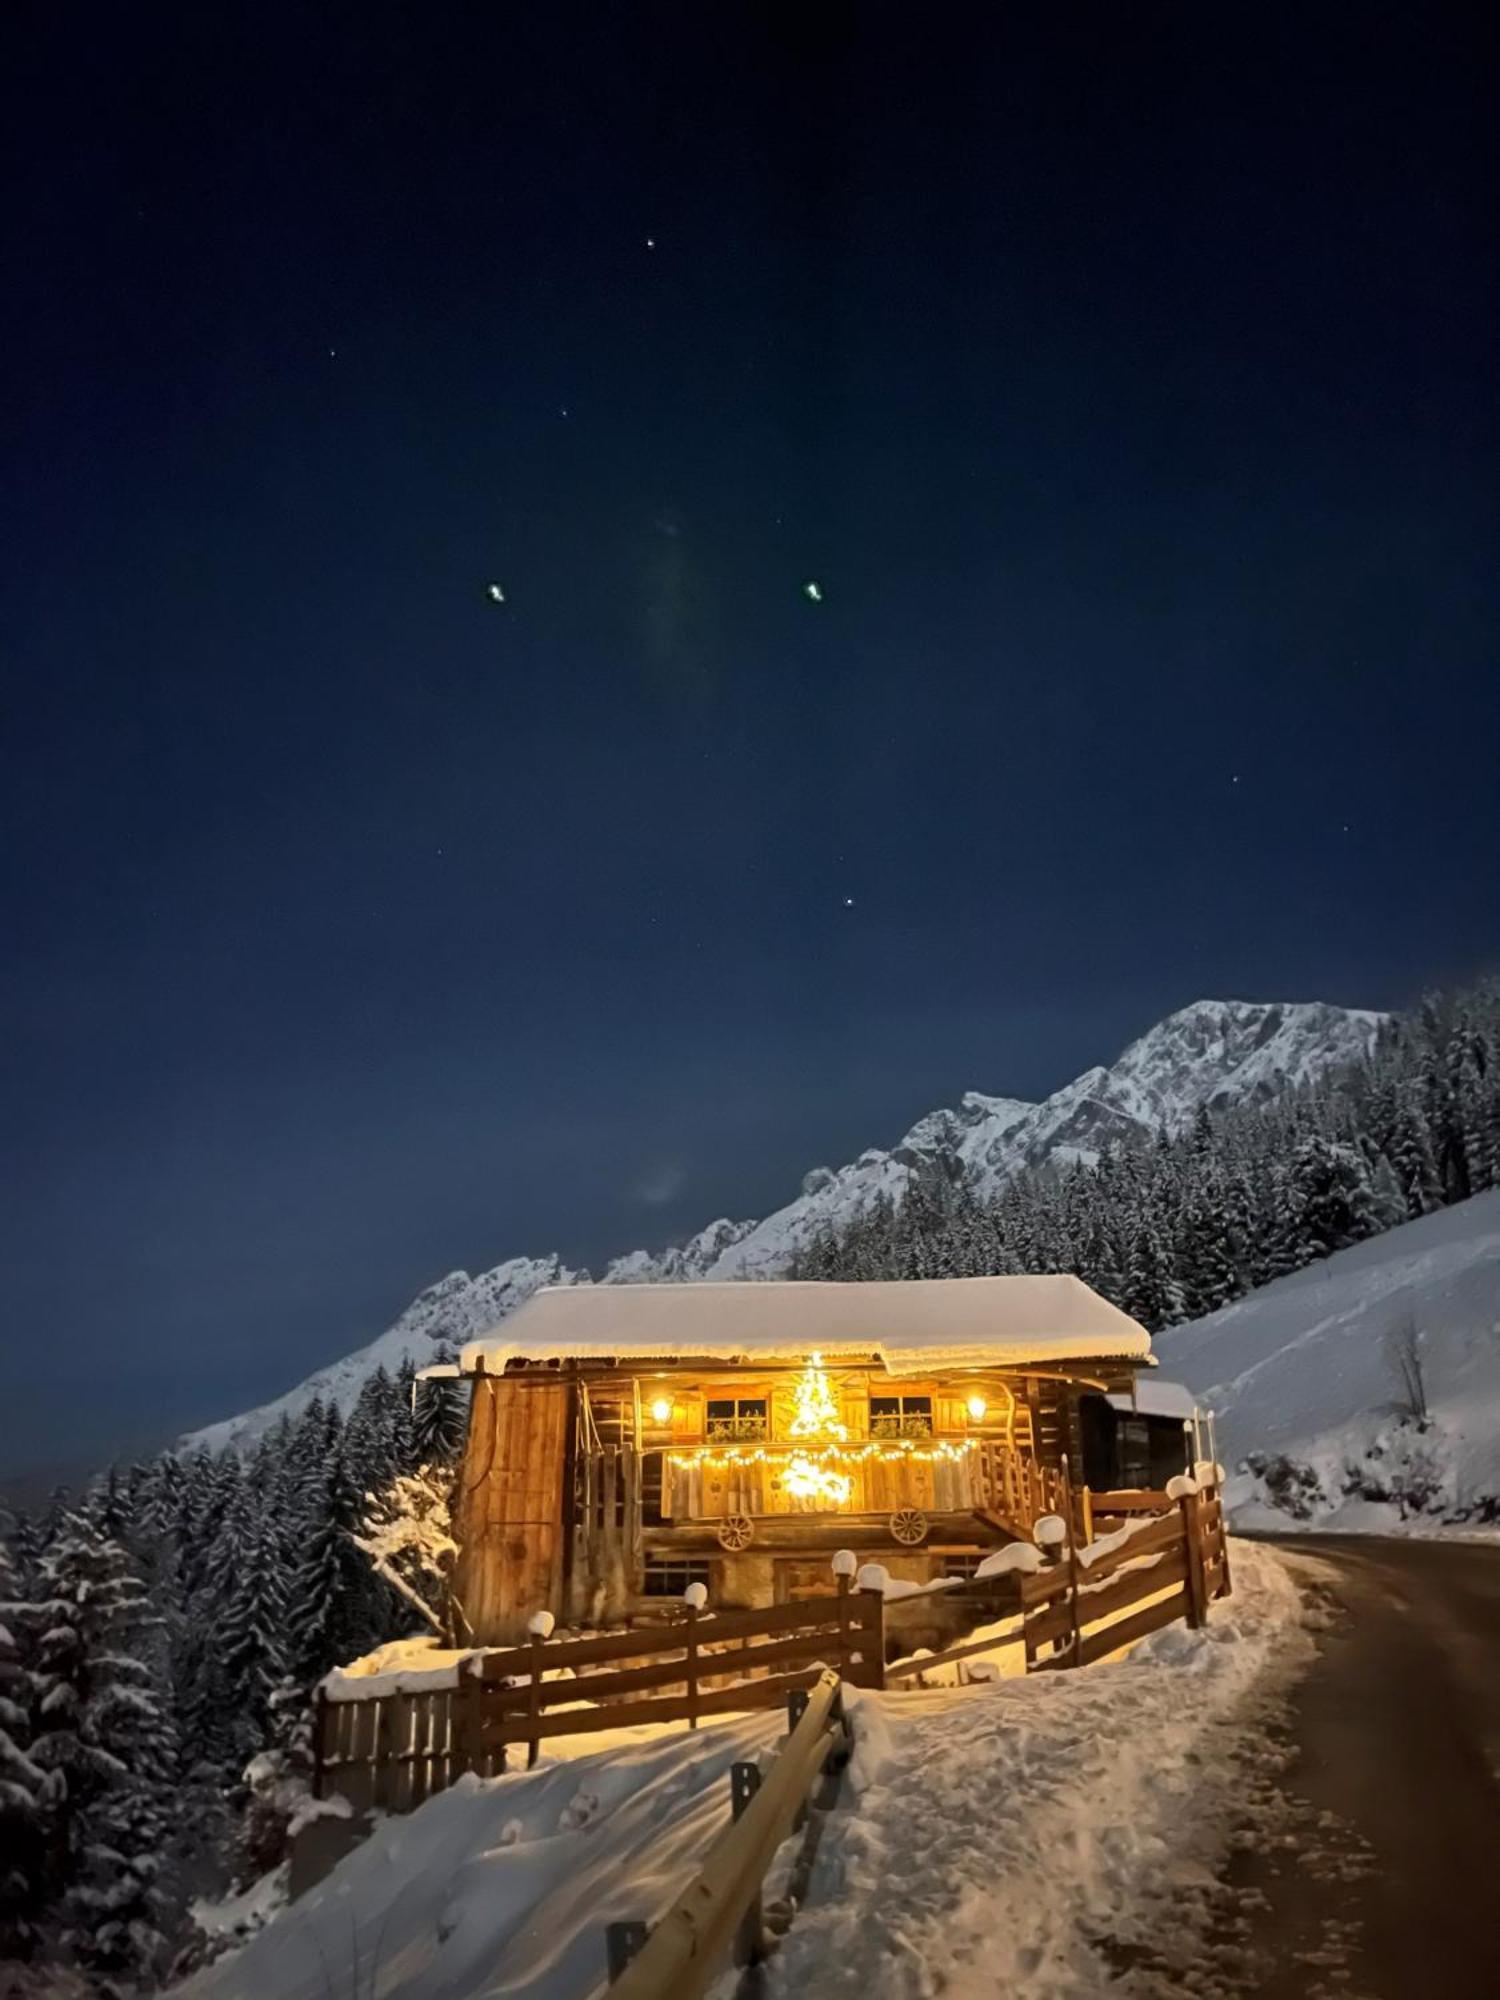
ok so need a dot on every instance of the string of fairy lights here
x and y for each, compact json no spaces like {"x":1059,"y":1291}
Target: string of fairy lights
{"x":811,"y":1473}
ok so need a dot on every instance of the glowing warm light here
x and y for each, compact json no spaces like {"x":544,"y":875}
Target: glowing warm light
{"x":977,"y":1408}
{"x":901,"y":1450}
{"x":816,"y":1414}
{"x":661,"y":1411}
{"x":815,"y":1482}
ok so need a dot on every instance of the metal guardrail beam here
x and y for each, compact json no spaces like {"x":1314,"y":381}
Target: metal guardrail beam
{"x":687,"y":1950}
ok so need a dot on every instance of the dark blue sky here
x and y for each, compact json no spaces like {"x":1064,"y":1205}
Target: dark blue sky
{"x":1125,"y":379}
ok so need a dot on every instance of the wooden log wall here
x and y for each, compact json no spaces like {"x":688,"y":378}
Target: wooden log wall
{"x":509,"y":1524}
{"x":604,"y":1534}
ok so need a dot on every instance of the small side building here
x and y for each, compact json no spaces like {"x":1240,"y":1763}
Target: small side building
{"x":627,"y":1440}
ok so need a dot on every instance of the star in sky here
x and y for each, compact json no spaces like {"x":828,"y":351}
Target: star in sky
{"x":494,"y":593}
{"x":812,"y":591}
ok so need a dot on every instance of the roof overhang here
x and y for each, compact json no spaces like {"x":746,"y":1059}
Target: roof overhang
{"x":907,"y":1328}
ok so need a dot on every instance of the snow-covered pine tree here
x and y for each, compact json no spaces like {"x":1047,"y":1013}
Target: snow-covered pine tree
{"x":406,"y":1532}
{"x":1411,"y":1155}
{"x":440,"y":1420}
{"x":372,"y":1437}
{"x":1335,"y":1202}
{"x":250,"y":1633}
{"x":23,"y":1783}
{"x":331,"y":1604}
{"x":108,"y":1504}
{"x":104,"y":1739}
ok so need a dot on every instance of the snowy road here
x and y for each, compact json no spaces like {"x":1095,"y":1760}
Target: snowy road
{"x":1392,"y":1794}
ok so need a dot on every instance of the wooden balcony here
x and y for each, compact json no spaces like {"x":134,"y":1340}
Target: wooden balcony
{"x":935,"y":1475}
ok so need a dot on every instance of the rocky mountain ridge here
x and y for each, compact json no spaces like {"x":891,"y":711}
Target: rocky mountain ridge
{"x":1210,"y":1053}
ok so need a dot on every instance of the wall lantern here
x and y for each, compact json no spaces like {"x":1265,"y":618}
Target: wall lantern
{"x":977,"y":1408}
{"x":661,"y":1411}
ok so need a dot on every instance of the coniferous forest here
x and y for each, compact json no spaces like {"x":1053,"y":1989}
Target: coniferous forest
{"x":162,"y":1633}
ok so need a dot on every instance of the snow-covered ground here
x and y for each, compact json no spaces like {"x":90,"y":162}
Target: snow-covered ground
{"x":1303,"y":1370}
{"x":1010,"y":1839}
{"x":991,"y":1836}
{"x":504,"y":1886}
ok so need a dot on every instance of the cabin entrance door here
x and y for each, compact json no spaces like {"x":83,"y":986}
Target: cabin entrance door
{"x":799,"y":1576}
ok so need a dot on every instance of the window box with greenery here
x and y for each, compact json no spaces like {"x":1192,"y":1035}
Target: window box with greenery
{"x":900,"y":1416}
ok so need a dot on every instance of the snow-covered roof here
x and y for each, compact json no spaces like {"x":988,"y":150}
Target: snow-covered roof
{"x":911,"y":1326}
{"x":1156,"y":1398}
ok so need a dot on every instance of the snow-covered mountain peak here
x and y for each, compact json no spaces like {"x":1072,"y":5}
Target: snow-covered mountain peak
{"x":1223,"y":1051}
{"x":1213,"y":1052}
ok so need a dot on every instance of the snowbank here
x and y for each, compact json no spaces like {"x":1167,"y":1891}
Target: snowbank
{"x":1004,"y":1833}
{"x":1301,"y":1371}
{"x":403,"y":1666}
{"x":990,"y":1836}
{"x":505,"y":1885}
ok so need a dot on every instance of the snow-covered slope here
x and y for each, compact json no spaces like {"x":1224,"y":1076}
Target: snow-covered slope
{"x":1304,"y":1367}
{"x":1214,"y":1052}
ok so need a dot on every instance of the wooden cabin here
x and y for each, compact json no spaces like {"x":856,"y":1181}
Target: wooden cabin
{"x":626,"y":1441}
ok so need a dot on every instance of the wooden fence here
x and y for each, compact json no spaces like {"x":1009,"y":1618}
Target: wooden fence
{"x":391,"y":1751}
{"x":1174,"y":1563}
{"x":1172,"y":1567}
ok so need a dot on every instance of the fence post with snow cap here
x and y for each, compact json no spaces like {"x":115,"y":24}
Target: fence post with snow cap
{"x":844,"y":1563}
{"x":871,"y":1581}
{"x":1184,"y":1490}
{"x":693,"y":1600}
{"x":540,"y":1625}
{"x":1072,"y":1520}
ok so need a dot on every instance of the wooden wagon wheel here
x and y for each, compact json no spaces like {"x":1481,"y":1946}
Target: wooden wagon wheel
{"x":909,"y":1526}
{"x":736,"y":1531}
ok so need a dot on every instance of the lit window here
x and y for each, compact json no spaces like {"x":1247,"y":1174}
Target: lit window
{"x":900,"y":1416}
{"x":736,"y":1417}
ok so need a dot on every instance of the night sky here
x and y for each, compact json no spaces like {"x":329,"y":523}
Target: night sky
{"x":1123,"y":378}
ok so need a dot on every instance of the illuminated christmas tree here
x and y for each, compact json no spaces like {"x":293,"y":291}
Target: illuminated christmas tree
{"x":817,"y":1414}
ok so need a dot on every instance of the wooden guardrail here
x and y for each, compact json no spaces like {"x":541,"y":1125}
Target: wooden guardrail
{"x":719,"y":1913}
{"x":392,"y":1751}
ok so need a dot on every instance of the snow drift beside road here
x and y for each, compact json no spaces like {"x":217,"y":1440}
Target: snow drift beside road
{"x":1301,"y":1367}
{"x":1004,"y":1836}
